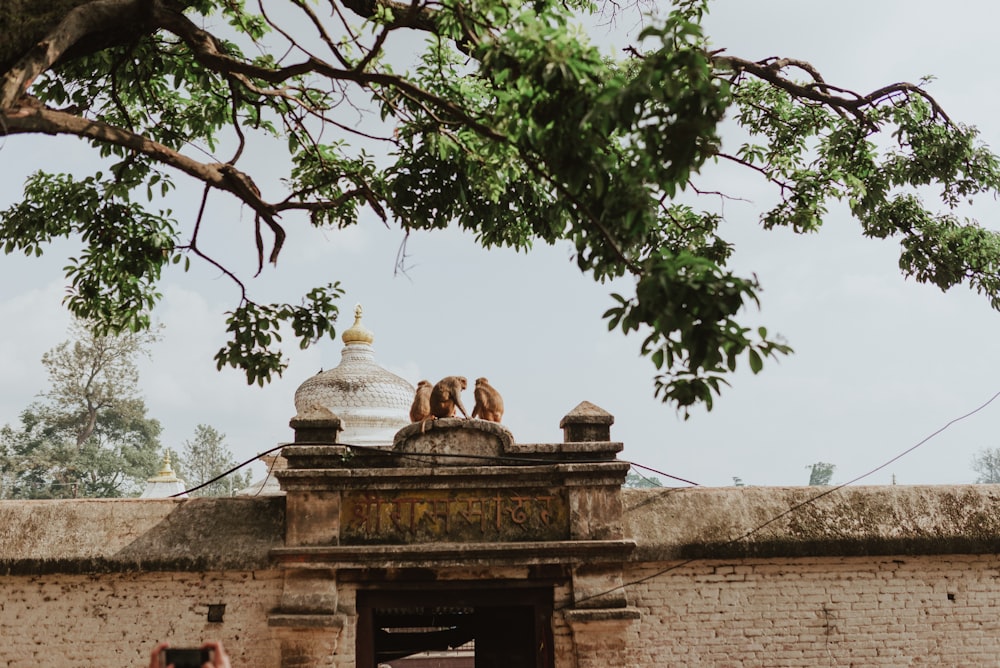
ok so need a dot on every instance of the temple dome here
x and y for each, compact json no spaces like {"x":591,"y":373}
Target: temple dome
{"x":372,"y":403}
{"x":165,"y":483}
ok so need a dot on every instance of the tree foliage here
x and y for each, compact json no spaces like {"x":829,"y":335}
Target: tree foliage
{"x":89,"y":435}
{"x":504,"y":119}
{"x":821,"y":473}
{"x":636,"y":480}
{"x":986,"y":464}
{"x":205,"y":457}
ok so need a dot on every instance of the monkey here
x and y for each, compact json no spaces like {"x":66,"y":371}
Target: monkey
{"x":489,"y":403}
{"x":421,"y":408}
{"x":447,"y":396}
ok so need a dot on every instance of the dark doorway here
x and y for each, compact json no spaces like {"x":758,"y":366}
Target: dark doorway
{"x":441,"y":628}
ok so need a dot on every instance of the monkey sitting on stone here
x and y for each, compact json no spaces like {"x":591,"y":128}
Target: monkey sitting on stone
{"x":489,"y":403}
{"x":446,"y":396}
{"x":421,"y":408}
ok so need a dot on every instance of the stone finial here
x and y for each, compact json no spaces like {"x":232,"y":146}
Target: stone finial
{"x":358,"y":333}
{"x":315,"y":424}
{"x":587,"y":422}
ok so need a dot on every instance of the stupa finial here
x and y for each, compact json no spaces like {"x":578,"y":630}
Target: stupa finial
{"x":358,"y":333}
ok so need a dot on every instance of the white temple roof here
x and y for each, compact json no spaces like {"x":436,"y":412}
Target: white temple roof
{"x":372,"y":403}
{"x":165,"y":483}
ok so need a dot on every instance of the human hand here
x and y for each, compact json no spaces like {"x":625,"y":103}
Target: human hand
{"x":154,"y":659}
{"x":219,"y":657}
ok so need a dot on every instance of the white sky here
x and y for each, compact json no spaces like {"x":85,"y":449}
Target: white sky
{"x":880,"y":362}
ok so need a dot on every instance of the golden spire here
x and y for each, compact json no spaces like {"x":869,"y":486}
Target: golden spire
{"x":358,"y":333}
{"x":166,"y":473}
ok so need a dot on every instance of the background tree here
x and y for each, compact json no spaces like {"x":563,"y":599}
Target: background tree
{"x":636,"y":480}
{"x":986,"y":464}
{"x":506,"y":121}
{"x":89,"y":435}
{"x":821,"y":473}
{"x":206,"y":456}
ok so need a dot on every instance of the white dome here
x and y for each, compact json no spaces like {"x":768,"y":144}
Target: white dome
{"x":165,"y":483}
{"x":371,"y":402}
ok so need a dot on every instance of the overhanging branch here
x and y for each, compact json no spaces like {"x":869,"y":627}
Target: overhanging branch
{"x":772,"y":71}
{"x":32,"y":118}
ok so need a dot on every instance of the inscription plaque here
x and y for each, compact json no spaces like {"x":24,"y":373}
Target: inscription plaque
{"x":427,"y":516}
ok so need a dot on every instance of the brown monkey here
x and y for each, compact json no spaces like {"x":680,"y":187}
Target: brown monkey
{"x":447,"y":396}
{"x":489,"y":403}
{"x":421,"y":408}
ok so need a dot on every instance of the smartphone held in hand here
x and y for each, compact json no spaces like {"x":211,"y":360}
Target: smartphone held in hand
{"x":185,"y":657}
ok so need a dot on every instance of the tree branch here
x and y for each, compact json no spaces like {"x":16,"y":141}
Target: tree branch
{"x":757,"y":168}
{"x":96,"y":16}
{"x":403,"y":15}
{"x":771,"y":70}
{"x":208,"y":52}
{"x":31,"y":117}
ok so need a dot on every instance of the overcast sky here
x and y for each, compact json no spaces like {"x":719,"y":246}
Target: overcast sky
{"x":880,"y":362}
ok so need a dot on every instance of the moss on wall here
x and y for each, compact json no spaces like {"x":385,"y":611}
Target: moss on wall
{"x":854,"y":521}
{"x":106,"y":535}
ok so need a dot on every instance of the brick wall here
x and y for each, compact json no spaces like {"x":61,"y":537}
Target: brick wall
{"x":906,"y":611}
{"x":852,"y":611}
{"x":116,"y":619}
{"x":864,"y":577}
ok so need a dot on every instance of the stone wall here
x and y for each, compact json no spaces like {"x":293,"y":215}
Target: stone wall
{"x":879,"y":576}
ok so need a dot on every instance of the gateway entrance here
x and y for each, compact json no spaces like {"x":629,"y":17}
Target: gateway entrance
{"x":509,"y":628}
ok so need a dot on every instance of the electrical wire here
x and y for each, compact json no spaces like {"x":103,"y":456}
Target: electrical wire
{"x":223,"y":475}
{"x":793,"y":508}
{"x":500,"y":459}
{"x":681,"y":564}
{"x":422,"y":457}
{"x":666,"y":475}
{"x":270,"y":468}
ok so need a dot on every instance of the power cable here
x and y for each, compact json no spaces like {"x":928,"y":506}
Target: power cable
{"x":232,"y":470}
{"x":666,"y":475}
{"x":270,"y":468}
{"x":424,"y":456}
{"x":794,"y":507}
